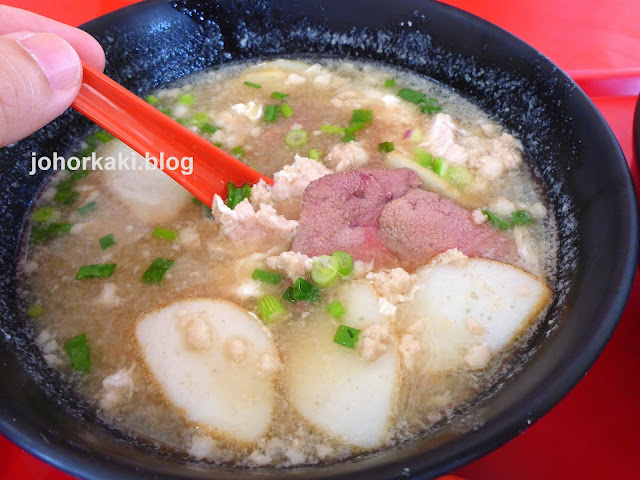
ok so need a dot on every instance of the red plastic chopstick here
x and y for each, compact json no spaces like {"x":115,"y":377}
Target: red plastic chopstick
{"x":149,"y":131}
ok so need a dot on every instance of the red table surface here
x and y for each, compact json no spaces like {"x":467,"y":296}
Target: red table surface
{"x":593,"y":433}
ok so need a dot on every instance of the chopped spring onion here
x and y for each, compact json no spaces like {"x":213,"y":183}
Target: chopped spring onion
{"x":156,"y":271}
{"x":459,"y":176}
{"x":286,"y":110}
{"x":345,"y":262}
{"x":279,"y":96}
{"x":315,"y":154}
{"x":496,"y":221}
{"x":165,"y":234}
{"x":426,"y":104}
{"x":346,"y":336}
{"x":196,"y":201}
{"x":187,"y":99}
{"x":288,"y":295}
{"x":423,"y":158}
{"x":40,"y":233}
{"x":238,"y":151}
{"x":362,"y":116}
{"x":305,"y":291}
{"x":183,"y":121}
{"x":271,"y":113}
{"x":217,"y":144}
{"x":324,"y":271}
{"x":270,"y":308}
{"x":79,"y":353}
{"x":199,"y":118}
{"x":45,"y":215}
{"x":521,"y":217}
{"x":166,"y":111}
{"x":390,"y":82}
{"x":107,"y":241}
{"x":267,"y":277}
{"x":79,"y":174}
{"x":100,"y":270}
{"x":208,"y":128}
{"x":336,"y":309}
{"x":66,"y":197}
{"x":87,"y":208}
{"x":252,"y":85}
{"x":35,"y":310}
{"x":440,"y":166}
{"x":386,"y":147}
{"x":104,"y":136}
{"x":296,"y":138}
{"x":86,"y":152}
{"x":332,"y":129}
{"x":151,"y":99}
{"x":237,"y":194}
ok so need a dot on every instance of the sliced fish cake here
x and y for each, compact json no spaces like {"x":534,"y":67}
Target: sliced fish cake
{"x":470,"y":310}
{"x":215,"y":363}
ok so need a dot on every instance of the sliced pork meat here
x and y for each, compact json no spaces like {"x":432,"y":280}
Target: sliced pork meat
{"x":341,"y":212}
{"x":421,"y":224}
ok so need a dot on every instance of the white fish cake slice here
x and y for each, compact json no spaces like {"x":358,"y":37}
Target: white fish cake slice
{"x":337,"y":391}
{"x":476,"y":303}
{"x":272,"y":75}
{"x":360,"y":303}
{"x":207,"y":356}
{"x":151,"y":195}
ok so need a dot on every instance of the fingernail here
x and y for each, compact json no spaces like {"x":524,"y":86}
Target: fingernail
{"x":57,"y":59}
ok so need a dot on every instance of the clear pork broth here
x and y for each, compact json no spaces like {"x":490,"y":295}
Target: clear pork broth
{"x":208,"y":264}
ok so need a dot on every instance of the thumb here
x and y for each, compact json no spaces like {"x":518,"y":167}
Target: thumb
{"x":40,"y":75}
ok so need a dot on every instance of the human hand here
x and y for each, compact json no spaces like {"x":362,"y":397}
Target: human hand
{"x":40,"y":70}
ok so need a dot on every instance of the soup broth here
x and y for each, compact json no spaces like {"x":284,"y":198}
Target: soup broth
{"x":239,"y":335}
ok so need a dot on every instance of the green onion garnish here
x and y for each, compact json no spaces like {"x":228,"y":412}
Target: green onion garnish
{"x":315,"y":154}
{"x":156,"y":271}
{"x":45,"y":215}
{"x":521,"y":217}
{"x":364,"y":116}
{"x":79,"y":353}
{"x":390,"y":82}
{"x":199,"y":118}
{"x":66,"y":197}
{"x":496,"y":221}
{"x":40,"y":233}
{"x":107,"y":241}
{"x":87,"y":208}
{"x":270,"y":308}
{"x":279,"y":96}
{"x":304,"y":291}
{"x":336,"y":309}
{"x":271,"y":113}
{"x":296,"y":138}
{"x":238,"y":152}
{"x":346,"y":336}
{"x":423,"y":158}
{"x":459,"y":176}
{"x":103,"y":136}
{"x":86,"y":152}
{"x":252,"y":85}
{"x":100,"y":270}
{"x":345,"y":262}
{"x":440,"y":166}
{"x":426,"y":104}
{"x":79,"y":174}
{"x":166,"y":111}
{"x":324,"y":271}
{"x":187,"y":99}
{"x":196,"y":201}
{"x":332,"y":129}
{"x":35,"y":310}
{"x":183,"y":121}
{"x":286,"y":110}
{"x":165,"y":234}
{"x":151,"y":99}
{"x":288,"y":295}
{"x":386,"y":147}
{"x":208,"y":128}
{"x":237,"y":194}
{"x":267,"y":277}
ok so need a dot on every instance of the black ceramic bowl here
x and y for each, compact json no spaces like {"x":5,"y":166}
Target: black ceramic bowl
{"x":575,"y":157}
